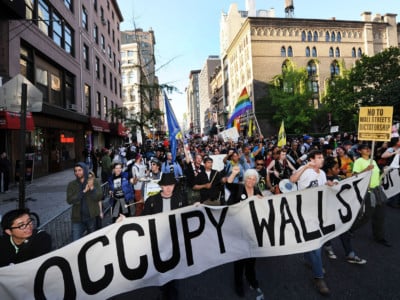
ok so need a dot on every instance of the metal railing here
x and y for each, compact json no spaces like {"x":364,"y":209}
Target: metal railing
{"x":59,"y":227}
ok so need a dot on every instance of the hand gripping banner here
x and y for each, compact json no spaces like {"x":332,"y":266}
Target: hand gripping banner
{"x":152,"y":250}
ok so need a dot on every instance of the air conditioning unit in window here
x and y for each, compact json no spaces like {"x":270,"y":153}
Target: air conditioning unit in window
{"x":103,"y":21}
{"x":71,"y":107}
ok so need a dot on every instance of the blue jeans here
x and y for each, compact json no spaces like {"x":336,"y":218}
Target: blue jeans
{"x":315,"y":260}
{"x":79,"y":228}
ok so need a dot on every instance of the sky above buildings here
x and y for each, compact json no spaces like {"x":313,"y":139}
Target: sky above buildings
{"x":187,"y":31}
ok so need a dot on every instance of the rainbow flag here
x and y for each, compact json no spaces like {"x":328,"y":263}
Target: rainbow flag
{"x":242,"y":105}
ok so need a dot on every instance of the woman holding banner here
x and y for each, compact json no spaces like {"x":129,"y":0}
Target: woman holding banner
{"x":240,"y":192}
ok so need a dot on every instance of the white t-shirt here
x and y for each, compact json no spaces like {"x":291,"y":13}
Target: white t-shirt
{"x":311,"y":178}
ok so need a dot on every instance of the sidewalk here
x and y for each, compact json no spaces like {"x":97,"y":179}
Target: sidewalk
{"x":45,"y":196}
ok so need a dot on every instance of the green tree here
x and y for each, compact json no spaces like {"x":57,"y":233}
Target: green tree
{"x":290,"y":99}
{"x":373,"y":81}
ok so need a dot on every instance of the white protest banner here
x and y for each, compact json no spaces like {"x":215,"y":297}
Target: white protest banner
{"x":218,"y":161}
{"x":390,"y":182}
{"x":151,"y":250}
{"x":230,"y":134}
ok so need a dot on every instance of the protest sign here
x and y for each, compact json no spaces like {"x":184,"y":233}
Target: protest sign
{"x":152,"y":250}
{"x":375,"y":123}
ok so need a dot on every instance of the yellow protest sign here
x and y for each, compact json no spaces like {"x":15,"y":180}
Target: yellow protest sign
{"x":375,"y":123}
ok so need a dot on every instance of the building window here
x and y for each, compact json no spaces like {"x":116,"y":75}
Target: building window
{"x":111,"y":81}
{"x":335,"y":69}
{"x":55,"y":89}
{"x":337,"y":52}
{"x":103,"y":42}
{"x":97,"y":66}
{"x":303,"y":36}
{"x":353,"y":52}
{"x":104,"y":74}
{"x":333,"y":37}
{"x":132,"y":77}
{"x":69,"y":87}
{"x":96,"y":33}
{"x":105,"y":107}
{"x":84,"y":18}
{"x":42,"y":82}
{"x":95,"y":5}
{"x":359,"y":52}
{"x":98,"y":104}
{"x":327,"y":37}
{"x":68,"y":4}
{"x":330,"y":52}
{"x":87,"y":99}
{"x":315,"y":36}
{"x":57,"y":30}
{"x":307,"y":51}
{"x":314,"y":52}
{"x":68,"y":39}
{"x":43,"y":17}
{"x":309,"y":36}
{"x":339,"y":37}
{"x":26,"y":62}
{"x":311,"y":69}
{"x":86,"y":55}
{"x":115,"y":86}
{"x":283,"y":52}
{"x":290,"y":51}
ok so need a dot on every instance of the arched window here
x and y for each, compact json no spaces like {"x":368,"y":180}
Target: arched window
{"x":333,"y":36}
{"x":308,"y":51}
{"x":311,"y":68}
{"x":327,"y":37}
{"x":330,"y":52}
{"x":303,"y":36}
{"x":283,"y":51}
{"x":290,"y":51}
{"x":335,"y":69}
{"x":337,"y":52}
{"x":314,"y":52}
{"x":339,"y":37}
{"x":315,"y":36}
{"x":359,"y":53}
{"x":353,"y":52}
{"x":309,"y":36}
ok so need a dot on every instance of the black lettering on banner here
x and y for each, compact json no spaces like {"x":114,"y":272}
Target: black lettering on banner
{"x":259,"y":227}
{"x":188,"y":235}
{"x":387,"y":180}
{"x":89,"y":286}
{"x":357,"y":190}
{"x":308,"y":236}
{"x":68,"y":279}
{"x":344,"y":217}
{"x":140,"y":271}
{"x":160,"y":265}
{"x":325,"y":229}
{"x":218,"y":226}
{"x":285,"y":207}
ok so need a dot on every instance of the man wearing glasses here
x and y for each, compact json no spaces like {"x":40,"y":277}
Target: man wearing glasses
{"x":20,"y":240}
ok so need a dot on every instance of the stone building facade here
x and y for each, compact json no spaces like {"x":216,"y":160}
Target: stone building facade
{"x":255,"y":53}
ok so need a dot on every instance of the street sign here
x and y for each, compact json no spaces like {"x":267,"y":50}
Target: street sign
{"x":11,"y":95}
{"x":375,"y":123}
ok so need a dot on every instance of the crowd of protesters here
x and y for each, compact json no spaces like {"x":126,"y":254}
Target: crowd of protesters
{"x":272,"y":169}
{"x":146,"y":179}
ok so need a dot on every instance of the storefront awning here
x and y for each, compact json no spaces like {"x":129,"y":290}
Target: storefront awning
{"x":118,"y":129}
{"x":99,"y":125}
{"x":12,"y":120}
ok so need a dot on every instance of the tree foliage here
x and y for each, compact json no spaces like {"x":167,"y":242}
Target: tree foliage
{"x":373,"y":81}
{"x":290,"y":99}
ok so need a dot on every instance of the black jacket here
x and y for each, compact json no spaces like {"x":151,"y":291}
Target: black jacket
{"x":154,"y":204}
{"x":38,"y":244}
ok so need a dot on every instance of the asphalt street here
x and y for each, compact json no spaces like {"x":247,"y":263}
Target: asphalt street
{"x":284,"y":277}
